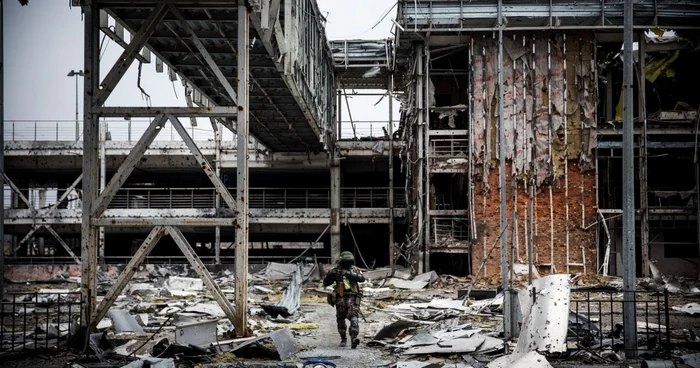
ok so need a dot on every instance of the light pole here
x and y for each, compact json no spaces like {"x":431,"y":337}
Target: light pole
{"x":77,"y":74}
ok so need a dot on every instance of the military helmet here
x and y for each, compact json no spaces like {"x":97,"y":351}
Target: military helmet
{"x":347,"y":256}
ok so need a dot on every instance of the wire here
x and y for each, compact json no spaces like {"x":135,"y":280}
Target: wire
{"x":375,"y":25}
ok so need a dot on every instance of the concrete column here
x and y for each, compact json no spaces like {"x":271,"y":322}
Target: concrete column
{"x":335,"y":209}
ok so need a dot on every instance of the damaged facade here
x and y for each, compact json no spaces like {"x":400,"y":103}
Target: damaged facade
{"x":562,"y":109}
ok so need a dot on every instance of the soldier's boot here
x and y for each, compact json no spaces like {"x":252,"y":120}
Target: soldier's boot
{"x":343,"y":341}
{"x":355,"y":342}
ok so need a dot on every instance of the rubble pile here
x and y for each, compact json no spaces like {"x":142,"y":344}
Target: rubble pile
{"x":165,"y":317}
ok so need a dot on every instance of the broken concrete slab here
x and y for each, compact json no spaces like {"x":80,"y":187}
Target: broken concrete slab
{"x":407,"y":285}
{"x":430,"y":277}
{"x":453,"y":346}
{"x":123,"y":321}
{"x":692,"y":360}
{"x":183,"y":283}
{"x":690,"y":308}
{"x":393,"y":329}
{"x":210,"y":309}
{"x":151,"y":363}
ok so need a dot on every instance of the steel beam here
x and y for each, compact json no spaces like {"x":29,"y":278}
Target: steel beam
{"x":89,"y":233}
{"x":240,"y":321}
{"x":217,"y":200}
{"x":2,"y":155}
{"x":628,"y":213}
{"x":14,"y":188}
{"x":129,"y":55}
{"x":133,"y":112}
{"x":63,"y":243}
{"x":205,"y":54}
{"x":203,"y":163}
{"x":390,"y":87}
{"x":269,"y":22}
{"x":127,"y":273}
{"x":202,"y":271}
{"x":65,"y":194}
{"x":128,"y":165}
{"x":335,"y":208}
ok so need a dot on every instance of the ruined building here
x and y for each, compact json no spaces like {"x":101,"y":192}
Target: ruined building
{"x":420,"y":188}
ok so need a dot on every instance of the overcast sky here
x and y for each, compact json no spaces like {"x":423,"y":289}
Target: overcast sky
{"x":44,"y":41}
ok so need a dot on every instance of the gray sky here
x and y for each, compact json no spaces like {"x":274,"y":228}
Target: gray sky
{"x":44,"y":41}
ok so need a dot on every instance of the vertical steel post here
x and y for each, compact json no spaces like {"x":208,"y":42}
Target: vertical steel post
{"x":241,"y":312}
{"x":426,"y":162}
{"x":643,"y":185}
{"x":628,"y":231}
{"x":335,"y":207}
{"x":420,"y":158}
{"x":77,"y":123}
{"x":2,"y":159}
{"x":391,"y":171}
{"x":217,"y":199}
{"x":91,"y":169}
{"x":103,"y":182}
{"x":507,"y":311}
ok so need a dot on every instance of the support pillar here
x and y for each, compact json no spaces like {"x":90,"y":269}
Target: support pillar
{"x":335,"y":208}
{"x":241,"y":288}
{"x":629,"y":264}
{"x":426,"y":161}
{"x":103,"y":182}
{"x":643,"y":187}
{"x":391,"y":171}
{"x":2,"y":159}
{"x":91,"y":169}
{"x":217,"y":199}
{"x":420,"y":160}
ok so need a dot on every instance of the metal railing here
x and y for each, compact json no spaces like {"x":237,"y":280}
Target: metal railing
{"x":596,"y":319}
{"x":371,"y":198}
{"x":228,"y":259}
{"x":39,"y":321}
{"x":449,"y":148}
{"x":119,"y":130}
{"x":265,"y":198}
{"x":447,"y":230}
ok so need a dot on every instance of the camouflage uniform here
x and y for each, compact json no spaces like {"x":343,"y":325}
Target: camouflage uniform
{"x":347,"y":299}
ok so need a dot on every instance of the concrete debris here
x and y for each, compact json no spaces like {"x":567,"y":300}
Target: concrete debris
{"x":152,"y":363}
{"x":408,"y":285}
{"x":177,"y":283}
{"x":123,"y":321}
{"x":462,"y":345}
{"x":692,"y":360}
{"x":690,"y":308}
{"x":282,"y":346}
{"x":521,"y":360}
{"x":674,"y":285}
{"x":430,"y":277}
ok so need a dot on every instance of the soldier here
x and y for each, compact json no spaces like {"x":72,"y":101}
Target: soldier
{"x":347,"y":296}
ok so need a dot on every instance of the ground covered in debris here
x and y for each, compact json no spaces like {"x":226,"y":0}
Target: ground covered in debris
{"x":168,"y":318}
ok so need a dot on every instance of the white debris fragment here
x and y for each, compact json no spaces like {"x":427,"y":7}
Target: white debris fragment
{"x":183,"y":283}
{"x":546,"y":322}
{"x":690,"y":308}
{"x":521,"y":360}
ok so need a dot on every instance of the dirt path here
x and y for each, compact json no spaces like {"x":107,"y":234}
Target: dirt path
{"x":324,"y":341}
